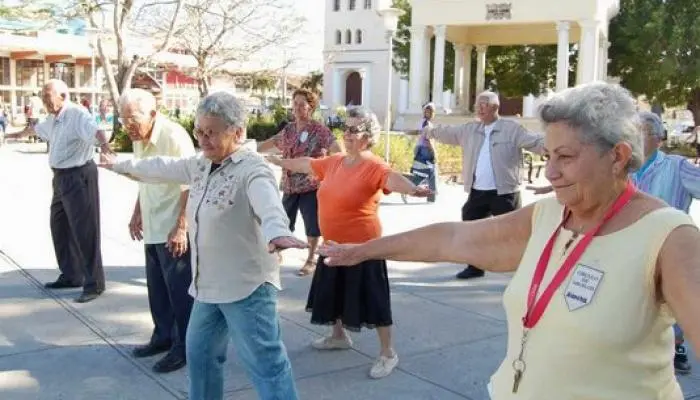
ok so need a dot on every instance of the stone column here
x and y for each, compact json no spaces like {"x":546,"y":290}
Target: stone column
{"x":425,"y":70}
{"x":480,"y":68}
{"x":603,"y":69}
{"x":562,"y":55}
{"x":336,"y":88}
{"x":467,"y":77}
{"x":366,"y":88}
{"x":458,"y":82}
{"x":13,"y":89}
{"x":589,"y":50}
{"x":415,"y":73}
{"x":439,"y":64}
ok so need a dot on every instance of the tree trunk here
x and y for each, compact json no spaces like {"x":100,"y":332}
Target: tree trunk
{"x":694,"y":105}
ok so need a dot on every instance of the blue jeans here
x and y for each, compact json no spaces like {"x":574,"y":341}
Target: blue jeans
{"x":254,"y":327}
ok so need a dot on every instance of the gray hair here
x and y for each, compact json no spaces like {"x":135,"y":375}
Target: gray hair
{"x":369,"y":120}
{"x":490,"y":97}
{"x":226,"y":106}
{"x":59,"y":86}
{"x":604,"y":114}
{"x":654,"y":123}
{"x":144,"y":101}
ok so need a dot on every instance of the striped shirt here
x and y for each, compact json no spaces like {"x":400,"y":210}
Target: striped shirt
{"x":671,"y":178}
{"x":71,"y":135}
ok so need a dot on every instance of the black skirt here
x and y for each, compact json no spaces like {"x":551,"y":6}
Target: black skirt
{"x":358,"y":295}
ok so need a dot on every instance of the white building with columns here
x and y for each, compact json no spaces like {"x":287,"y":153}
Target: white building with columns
{"x":356,"y":57}
{"x":472,"y":26}
{"x":356,"y":48}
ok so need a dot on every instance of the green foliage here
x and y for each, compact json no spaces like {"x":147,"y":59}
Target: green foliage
{"x":313,"y":82}
{"x":654,"y":50}
{"x":279,"y":113}
{"x":121,"y":142}
{"x":261,"y":129}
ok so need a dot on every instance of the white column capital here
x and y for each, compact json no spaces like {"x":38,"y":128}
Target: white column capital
{"x":418,"y":30}
{"x":440,"y":30}
{"x":588,"y":24}
{"x":563,"y":26}
{"x":460,"y":47}
{"x":481,"y":48}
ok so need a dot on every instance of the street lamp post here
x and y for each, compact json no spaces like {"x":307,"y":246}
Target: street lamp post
{"x":94,"y":32}
{"x":390,"y":17}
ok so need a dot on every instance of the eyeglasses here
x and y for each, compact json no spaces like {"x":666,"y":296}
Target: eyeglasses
{"x":354,"y":130}
{"x":130,"y":120}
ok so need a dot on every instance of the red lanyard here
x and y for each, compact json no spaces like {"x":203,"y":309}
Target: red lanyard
{"x":536,"y":307}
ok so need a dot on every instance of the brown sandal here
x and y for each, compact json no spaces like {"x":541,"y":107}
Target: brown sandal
{"x":308,"y":268}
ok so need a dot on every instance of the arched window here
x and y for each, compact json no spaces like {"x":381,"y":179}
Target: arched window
{"x":336,"y":5}
{"x":338,"y":37}
{"x":368,"y":4}
{"x":351,"y":5}
{"x":358,"y":36}
{"x":348,"y":37}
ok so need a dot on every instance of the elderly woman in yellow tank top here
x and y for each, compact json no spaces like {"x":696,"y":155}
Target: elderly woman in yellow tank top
{"x":601,"y":270}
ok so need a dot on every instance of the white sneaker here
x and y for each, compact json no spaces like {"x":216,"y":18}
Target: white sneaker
{"x":383,"y":366}
{"x":331,"y":343}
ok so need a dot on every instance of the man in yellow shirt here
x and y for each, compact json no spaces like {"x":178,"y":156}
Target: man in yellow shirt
{"x":159,"y":219}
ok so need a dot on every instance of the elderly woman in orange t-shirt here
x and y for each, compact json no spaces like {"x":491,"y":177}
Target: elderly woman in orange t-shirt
{"x":348,"y":199}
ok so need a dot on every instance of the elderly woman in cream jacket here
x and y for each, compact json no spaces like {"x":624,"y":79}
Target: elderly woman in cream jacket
{"x":236,"y":220}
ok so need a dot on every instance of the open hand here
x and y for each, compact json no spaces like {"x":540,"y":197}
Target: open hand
{"x":136,"y":227}
{"x":341,"y":255}
{"x":421,"y":191}
{"x":286,"y":242}
{"x":107,"y":160}
{"x":177,"y":241}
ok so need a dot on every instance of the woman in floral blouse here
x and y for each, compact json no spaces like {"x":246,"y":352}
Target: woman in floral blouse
{"x":235,"y":220}
{"x":303,"y":137}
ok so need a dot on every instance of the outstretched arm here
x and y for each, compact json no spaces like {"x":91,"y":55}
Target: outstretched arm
{"x":495,"y":244}
{"x":300,"y":165}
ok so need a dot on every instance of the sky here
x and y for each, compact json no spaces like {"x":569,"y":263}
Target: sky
{"x":306,"y":52}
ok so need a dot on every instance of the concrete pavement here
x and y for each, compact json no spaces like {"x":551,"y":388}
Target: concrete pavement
{"x":450,"y":335}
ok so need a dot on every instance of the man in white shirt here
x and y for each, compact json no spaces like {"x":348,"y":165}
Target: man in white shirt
{"x":75,"y":206}
{"x":159,"y":219}
{"x":491,"y":157}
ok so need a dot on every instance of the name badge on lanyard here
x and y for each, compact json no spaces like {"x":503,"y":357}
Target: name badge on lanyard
{"x":582,"y":286}
{"x":304,"y":135}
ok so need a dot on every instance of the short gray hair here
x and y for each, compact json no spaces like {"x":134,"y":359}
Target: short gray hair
{"x":226,"y":106}
{"x":604,"y":114}
{"x":59,"y":86}
{"x":369,"y":120}
{"x":491,"y":97}
{"x":654,"y":123}
{"x":144,"y":101}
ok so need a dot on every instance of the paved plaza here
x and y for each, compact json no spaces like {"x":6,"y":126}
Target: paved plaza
{"x":450,"y":335}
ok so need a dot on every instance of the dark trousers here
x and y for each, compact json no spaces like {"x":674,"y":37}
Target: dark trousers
{"x":168,"y":279}
{"x":75,"y":226}
{"x":487,"y":203}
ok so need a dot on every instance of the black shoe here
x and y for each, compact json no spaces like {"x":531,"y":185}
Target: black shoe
{"x":150,"y":350}
{"x":61,"y":284}
{"x":470,"y":273}
{"x":87,"y":297}
{"x":680,"y":361}
{"x":171,"y":362}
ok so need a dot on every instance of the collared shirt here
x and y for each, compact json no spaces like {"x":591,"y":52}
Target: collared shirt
{"x":507,"y":141}
{"x":160,"y":202}
{"x":71,"y":135}
{"x":672,"y":179}
{"x":232,"y":215}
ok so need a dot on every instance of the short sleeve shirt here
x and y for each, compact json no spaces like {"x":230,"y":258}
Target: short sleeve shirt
{"x":348,"y":198}
{"x":313,"y":141}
